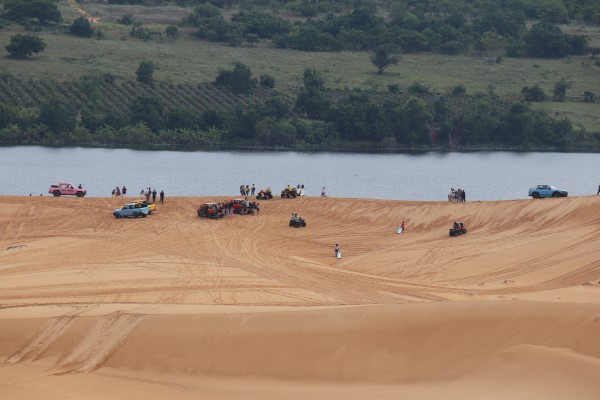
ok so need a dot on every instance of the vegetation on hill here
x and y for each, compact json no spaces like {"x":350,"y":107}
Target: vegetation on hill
{"x":233,"y":107}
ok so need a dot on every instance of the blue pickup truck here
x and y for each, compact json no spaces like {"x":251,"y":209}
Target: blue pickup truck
{"x":547,"y":191}
{"x":134,"y":210}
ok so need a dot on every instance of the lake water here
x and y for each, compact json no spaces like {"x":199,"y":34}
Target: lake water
{"x":429,"y":176}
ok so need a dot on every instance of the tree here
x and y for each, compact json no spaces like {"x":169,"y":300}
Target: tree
{"x":547,"y":41}
{"x":560,"y":89}
{"x":239,"y":80}
{"x":144,"y":73}
{"x":81,"y":27}
{"x":44,"y":11}
{"x":23,"y":46}
{"x":382,"y":59}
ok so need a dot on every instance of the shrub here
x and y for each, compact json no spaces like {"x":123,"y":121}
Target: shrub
{"x":393,"y":88}
{"x":172,"y":32}
{"x":267,"y":81}
{"x":534,"y":93}
{"x":459,"y":90}
{"x":126,"y":19}
{"x":81,"y":27}
{"x":417,"y":88}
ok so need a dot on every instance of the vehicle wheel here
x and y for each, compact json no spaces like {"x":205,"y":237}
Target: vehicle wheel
{"x":535,"y":195}
{"x":117,"y":216}
{"x":79,"y":194}
{"x":555,"y":194}
{"x":135,"y":215}
{"x":144,"y":215}
{"x":150,"y":212}
{"x":465,"y":230}
{"x":56,"y":193}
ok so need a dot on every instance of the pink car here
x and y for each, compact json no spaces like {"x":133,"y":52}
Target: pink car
{"x":67,"y":189}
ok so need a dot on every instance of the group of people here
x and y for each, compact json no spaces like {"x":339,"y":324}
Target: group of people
{"x":296,"y":218}
{"x":147,"y":193}
{"x":247,"y":190}
{"x":118,"y":192}
{"x":457,"y":195}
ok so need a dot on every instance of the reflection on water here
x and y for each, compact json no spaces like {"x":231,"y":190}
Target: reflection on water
{"x":429,"y":176}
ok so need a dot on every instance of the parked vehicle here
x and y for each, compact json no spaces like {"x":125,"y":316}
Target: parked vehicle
{"x":144,"y":203}
{"x":458,"y":229}
{"x":264,"y":195}
{"x":131,"y":210}
{"x":67,"y":189}
{"x":547,"y":191}
{"x":289,"y":193}
{"x":238,"y":206}
{"x":210,"y":210}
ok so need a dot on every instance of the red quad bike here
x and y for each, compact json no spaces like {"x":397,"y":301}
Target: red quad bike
{"x":262,"y":195}
{"x":458,"y":229}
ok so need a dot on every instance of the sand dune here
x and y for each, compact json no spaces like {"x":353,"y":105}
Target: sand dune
{"x":179,"y":307}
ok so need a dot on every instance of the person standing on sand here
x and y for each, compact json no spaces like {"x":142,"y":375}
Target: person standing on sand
{"x":598,"y":190}
{"x":124,"y":191}
{"x":402,"y":226}
{"x":337,"y":249}
{"x":154,"y":196}
{"x":162,"y":196}
{"x":252,"y":189}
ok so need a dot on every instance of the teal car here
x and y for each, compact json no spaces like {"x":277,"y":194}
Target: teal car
{"x":131,"y":210}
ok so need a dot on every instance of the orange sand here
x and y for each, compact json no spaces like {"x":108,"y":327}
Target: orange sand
{"x":175,"y":307}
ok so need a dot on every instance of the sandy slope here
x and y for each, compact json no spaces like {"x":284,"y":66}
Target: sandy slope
{"x":172,"y":306}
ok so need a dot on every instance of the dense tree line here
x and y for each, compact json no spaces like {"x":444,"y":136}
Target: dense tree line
{"x":454,"y":27}
{"x":316,"y":118}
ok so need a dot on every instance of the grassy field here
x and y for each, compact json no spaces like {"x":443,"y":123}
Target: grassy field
{"x":190,"y":60}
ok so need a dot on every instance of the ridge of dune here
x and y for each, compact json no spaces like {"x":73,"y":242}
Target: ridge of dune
{"x":86,"y":299}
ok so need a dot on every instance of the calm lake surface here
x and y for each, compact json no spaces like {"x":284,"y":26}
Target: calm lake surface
{"x":429,"y":176}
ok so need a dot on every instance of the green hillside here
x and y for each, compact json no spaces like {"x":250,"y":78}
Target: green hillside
{"x":186,"y":67}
